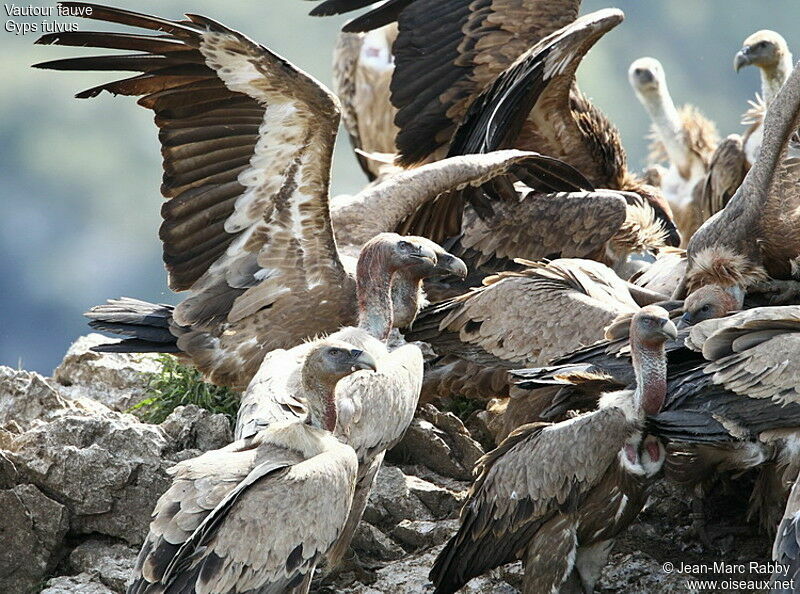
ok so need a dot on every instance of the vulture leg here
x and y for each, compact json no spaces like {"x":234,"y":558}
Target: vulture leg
{"x":589,"y":562}
{"x":784,"y":292}
{"x":699,"y":524}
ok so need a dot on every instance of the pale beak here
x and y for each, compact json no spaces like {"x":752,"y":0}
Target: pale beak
{"x":741,"y":59}
{"x":451,"y":265}
{"x":669,"y":330}
{"x":362,"y":360}
{"x":426,"y":253}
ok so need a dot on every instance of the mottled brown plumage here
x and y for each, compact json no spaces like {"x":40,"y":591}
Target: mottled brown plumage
{"x":726,"y":172}
{"x":517,"y":319}
{"x":447,"y":52}
{"x":259,"y":514}
{"x":363,"y":65}
{"x":252,"y":237}
{"x":757,"y":234}
{"x":555,"y":495}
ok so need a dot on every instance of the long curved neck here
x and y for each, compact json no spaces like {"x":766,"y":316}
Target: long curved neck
{"x":321,"y":402}
{"x":668,"y":124}
{"x":373,"y":290}
{"x":407,"y":297}
{"x":772,"y":78}
{"x":650,"y":367}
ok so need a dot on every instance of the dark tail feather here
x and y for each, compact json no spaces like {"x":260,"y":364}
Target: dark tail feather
{"x":146,"y":326}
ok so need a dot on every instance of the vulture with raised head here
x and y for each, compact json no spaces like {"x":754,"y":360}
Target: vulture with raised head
{"x":517,"y":319}
{"x":446,"y":53}
{"x":756,"y":236}
{"x":259,"y":514}
{"x":769,"y":52}
{"x":556,"y":495}
{"x":684,"y":138}
{"x":247,"y":140}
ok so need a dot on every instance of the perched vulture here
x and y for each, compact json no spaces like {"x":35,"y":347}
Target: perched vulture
{"x":757,"y":235}
{"x":375,"y":410}
{"x":556,"y":495}
{"x":247,"y":140}
{"x":362,"y":71}
{"x":259,"y":514}
{"x":732,"y":394}
{"x":446,"y":53}
{"x":768,"y":51}
{"x":685,"y":139}
{"x":519,"y":319}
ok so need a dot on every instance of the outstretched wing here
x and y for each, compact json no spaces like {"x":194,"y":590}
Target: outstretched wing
{"x":448,"y":51}
{"x":247,"y":141}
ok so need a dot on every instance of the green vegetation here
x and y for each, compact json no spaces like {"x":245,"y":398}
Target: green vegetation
{"x":463,"y":407}
{"x":178,"y":385}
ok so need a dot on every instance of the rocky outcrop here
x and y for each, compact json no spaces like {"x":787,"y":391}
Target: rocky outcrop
{"x":79,"y":478}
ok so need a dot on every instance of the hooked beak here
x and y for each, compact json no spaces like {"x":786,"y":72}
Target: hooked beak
{"x":669,"y":330}
{"x":449,"y":264}
{"x":362,"y":360}
{"x":685,"y":321}
{"x":426,"y":253}
{"x":741,"y":59}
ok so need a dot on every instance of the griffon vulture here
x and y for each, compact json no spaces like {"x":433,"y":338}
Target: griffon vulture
{"x":247,"y":140}
{"x":768,"y":51}
{"x":757,"y":235}
{"x":259,"y":514}
{"x":732,"y":394}
{"x":556,"y":495}
{"x":684,"y":138}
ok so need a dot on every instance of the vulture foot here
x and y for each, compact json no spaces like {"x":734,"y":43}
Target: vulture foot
{"x":783,"y":292}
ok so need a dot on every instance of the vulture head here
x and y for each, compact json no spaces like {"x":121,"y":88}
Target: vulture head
{"x":394,"y":252}
{"x":766,"y":49}
{"x":711,"y":301}
{"x":381,"y":258}
{"x":650,"y":329}
{"x":646,"y":76}
{"x":445,"y":264}
{"x":324,"y":366}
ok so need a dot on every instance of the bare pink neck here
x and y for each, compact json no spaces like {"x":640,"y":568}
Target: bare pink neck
{"x":650,"y":365}
{"x":373,"y":289}
{"x":406,"y":289}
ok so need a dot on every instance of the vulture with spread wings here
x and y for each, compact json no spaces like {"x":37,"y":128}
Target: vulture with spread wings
{"x":446,"y":53}
{"x":247,"y":140}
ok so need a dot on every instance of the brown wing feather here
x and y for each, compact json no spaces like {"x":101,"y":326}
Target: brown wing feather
{"x":537,"y":472}
{"x":247,"y":141}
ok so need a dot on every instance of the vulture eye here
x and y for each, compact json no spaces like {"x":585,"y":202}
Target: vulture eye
{"x":638,"y":72}
{"x":705,"y":308}
{"x":336,"y":353}
{"x":405,"y":245}
{"x":761,"y":44}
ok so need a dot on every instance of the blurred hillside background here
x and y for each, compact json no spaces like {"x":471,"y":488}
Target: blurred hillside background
{"x":80,"y":179}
